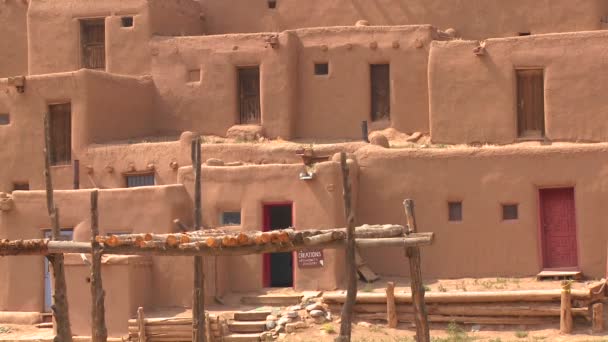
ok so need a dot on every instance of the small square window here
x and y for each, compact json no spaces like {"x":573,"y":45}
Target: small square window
{"x":21,"y":186}
{"x":321,"y":68}
{"x":230,"y":218}
{"x":509,"y":212}
{"x":455,"y":211}
{"x":5,"y":119}
{"x":140,"y":179}
{"x":194,"y":75}
{"x":126,"y":21}
{"x":272,"y":3}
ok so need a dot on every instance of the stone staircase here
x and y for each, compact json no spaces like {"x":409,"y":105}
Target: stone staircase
{"x":247,"y":326}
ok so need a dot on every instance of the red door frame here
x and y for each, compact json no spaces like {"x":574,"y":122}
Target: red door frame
{"x":541,"y":239}
{"x":266,"y":227}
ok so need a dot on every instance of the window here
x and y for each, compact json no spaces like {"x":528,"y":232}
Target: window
{"x":249,"y":95}
{"x":321,"y":68}
{"x":230,"y":218}
{"x":21,"y":186}
{"x":93,"y":41}
{"x":126,"y":21}
{"x":521,"y":34}
{"x":509,"y":212}
{"x":60,"y":121}
{"x":380,"y":91}
{"x":530,"y":103}
{"x":140,"y":179}
{"x":455,"y":211}
{"x":5,"y":119}
{"x":194,"y":75}
{"x":272,"y":3}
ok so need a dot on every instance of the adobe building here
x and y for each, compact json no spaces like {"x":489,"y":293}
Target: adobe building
{"x":493,"y":111}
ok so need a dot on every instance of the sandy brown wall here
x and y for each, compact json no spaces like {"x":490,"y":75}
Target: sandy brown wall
{"x":483,"y":245}
{"x":175,"y":17}
{"x":473,"y":98}
{"x":13,"y":45}
{"x":473,"y":19}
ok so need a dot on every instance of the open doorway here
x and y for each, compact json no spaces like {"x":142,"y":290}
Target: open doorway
{"x":278,"y":267}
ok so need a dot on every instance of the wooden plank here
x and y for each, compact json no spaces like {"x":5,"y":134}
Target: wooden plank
{"x":351,"y":266}
{"x":99,"y":331}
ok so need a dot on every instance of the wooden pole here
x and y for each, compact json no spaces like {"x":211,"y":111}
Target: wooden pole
{"x":565,"y":318}
{"x":76,"y":174}
{"x":99,"y":332}
{"x":60,"y":300}
{"x":391,"y":309}
{"x":597,"y":318}
{"x":198,"y":305}
{"x":351,"y":266}
{"x":413,"y":254}
{"x":141,"y":323}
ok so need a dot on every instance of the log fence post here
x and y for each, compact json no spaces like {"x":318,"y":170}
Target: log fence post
{"x":141,"y":324}
{"x":198,"y":305}
{"x":565,"y":317}
{"x":99,"y":332}
{"x":597,"y":318}
{"x":413,"y":254}
{"x":391,"y":309}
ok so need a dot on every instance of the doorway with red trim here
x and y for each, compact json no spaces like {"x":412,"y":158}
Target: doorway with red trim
{"x":278,"y":267}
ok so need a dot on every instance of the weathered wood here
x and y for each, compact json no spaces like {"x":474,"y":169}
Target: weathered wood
{"x":597,"y":318}
{"x":351,"y":265}
{"x":565,"y":322}
{"x":99,"y":331}
{"x":391,"y":310}
{"x":413,"y":253}
{"x":463,"y":297}
{"x":60,"y":301}
{"x":198,"y":293}
{"x":321,"y":238}
{"x":76,"y":174}
{"x":141,"y":323}
{"x":408,"y":318}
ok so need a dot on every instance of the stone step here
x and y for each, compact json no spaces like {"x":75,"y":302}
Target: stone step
{"x":247,"y":326}
{"x":251,"y":315}
{"x":272,"y":300}
{"x":242,"y":338}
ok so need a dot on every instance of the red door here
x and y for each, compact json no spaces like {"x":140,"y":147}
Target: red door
{"x":558,"y":228}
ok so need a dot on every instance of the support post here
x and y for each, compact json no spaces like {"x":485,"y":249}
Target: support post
{"x":99,"y":332}
{"x":60,"y":300}
{"x":597,"y":318}
{"x":565,"y":313}
{"x":391,"y":309}
{"x":351,"y":266}
{"x":413,"y":254}
{"x":364,"y":131}
{"x":141,"y":324}
{"x":198,"y":300}
{"x":76,"y":174}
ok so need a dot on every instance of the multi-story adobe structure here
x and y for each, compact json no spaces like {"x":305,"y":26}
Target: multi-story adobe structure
{"x":126,"y":83}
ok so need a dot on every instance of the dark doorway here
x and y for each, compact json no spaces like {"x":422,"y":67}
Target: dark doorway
{"x":530,"y":103}
{"x":249,"y":95}
{"x":278,"y":267}
{"x":60,"y":120}
{"x":93,"y":41}
{"x":381,"y":91}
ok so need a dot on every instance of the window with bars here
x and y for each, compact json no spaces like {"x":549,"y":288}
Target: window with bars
{"x":60,"y":121}
{"x":93,"y":42}
{"x":455,"y":211}
{"x":140,"y":179}
{"x":321,"y":68}
{"x":380,"y":92}
{"x":510,"y":212}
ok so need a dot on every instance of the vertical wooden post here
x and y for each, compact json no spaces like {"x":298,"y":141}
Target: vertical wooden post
{"x":60,"y":300}
{"x":76,"y":174}
{"x":597,"y":318}
{"x":413,"y":254}
{"x":198,"y":305}
{"x":99,"y":332}
{"x":565,"y":317}
{"x":351,"y":266}
{"x":141,"y":324}
{"x":391,"y":310}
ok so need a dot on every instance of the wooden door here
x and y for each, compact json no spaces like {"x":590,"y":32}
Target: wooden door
{"x":380,"y":91}
{"x":558,"y":228}
{"x":530,"y":103}
{"x":60,"y":117}
{"x":93,"y":42}
{"x":249,"y":95}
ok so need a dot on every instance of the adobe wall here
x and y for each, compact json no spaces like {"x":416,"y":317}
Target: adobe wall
{"x":473,"y":19}
{"x":13,"y":45}
{"x":483,"y":245}
{"x":150,"y":209}
{"x":473,"y":98}
{"x":100,"y":113}
{"x":294,"y":101}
